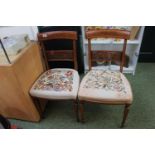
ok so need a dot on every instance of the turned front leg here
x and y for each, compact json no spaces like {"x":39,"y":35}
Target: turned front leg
{"x":125,"y":115}
{"x":82,"y":112}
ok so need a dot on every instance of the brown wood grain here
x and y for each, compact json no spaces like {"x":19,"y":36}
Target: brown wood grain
{"x":59,"y":55}
{"x":108,"y":56}
{"x":16,"y":80}
{"x":108,"y":33}
{"x":57,"y":35}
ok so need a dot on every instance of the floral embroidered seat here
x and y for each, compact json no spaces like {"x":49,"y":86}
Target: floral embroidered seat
{"x":56,"y":84}
{"x":105,"y":87}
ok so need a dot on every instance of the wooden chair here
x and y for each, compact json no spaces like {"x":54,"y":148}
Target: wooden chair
{"x":105,"y":86}
{"x":58,"y":83}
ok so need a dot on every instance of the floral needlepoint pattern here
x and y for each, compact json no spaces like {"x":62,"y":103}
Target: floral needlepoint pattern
{"x":106,"y":80}
{"x":55,"y":80}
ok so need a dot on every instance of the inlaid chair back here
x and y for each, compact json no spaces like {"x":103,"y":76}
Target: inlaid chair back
{"x":59,"y":55}
{"x":107,"y":55}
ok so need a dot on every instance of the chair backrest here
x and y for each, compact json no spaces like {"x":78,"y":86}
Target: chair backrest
{"x":107,"y":55}
{"x":59,"y":55}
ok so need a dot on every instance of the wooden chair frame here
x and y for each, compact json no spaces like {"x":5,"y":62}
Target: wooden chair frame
{"x":106,"y":33}
{"x":69,"y":35}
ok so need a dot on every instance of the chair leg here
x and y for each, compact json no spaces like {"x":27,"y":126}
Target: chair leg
{"x":81,"y":112}
{"x":40,"y":108}
{"x":76,"y":109}
{"x":126,"y":111}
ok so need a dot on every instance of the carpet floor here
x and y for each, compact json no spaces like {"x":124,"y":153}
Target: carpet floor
{"x":60,"y":115}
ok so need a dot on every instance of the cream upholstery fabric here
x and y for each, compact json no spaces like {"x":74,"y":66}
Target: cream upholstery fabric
{"x":57,"y":83}
{"x":105,"y":87}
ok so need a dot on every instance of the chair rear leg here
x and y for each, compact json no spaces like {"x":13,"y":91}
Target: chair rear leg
{"x":38,"y":105}
{"x":81,"y":112}
{"x":76,"y":109}
{"x":126,"y":111}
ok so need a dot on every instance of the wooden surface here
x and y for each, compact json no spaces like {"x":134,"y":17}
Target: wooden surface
{"x":57,"y":35}
{"x":134,"y":32}
{"x":108,"y":33}
{"x":16,"y":80}
{"x":59,"y":55}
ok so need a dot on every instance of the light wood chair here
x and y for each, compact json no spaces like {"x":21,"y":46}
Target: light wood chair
{"x":105,"y":86}
{"x":58,"y":83}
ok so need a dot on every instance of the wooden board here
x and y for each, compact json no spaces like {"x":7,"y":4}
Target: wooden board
{"x":16,"y":80}
{"x":134,"y":32}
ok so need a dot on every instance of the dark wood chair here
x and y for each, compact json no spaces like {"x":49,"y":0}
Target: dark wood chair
{"x":59,"y":55}
{"x":105,"y":86}
{"x":58,"y":83}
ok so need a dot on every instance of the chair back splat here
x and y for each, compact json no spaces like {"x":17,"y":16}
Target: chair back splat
{"x":105,"y":54}
{"x":59,"y":55}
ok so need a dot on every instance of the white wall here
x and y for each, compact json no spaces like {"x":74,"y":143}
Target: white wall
{"x":13,"y":30}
